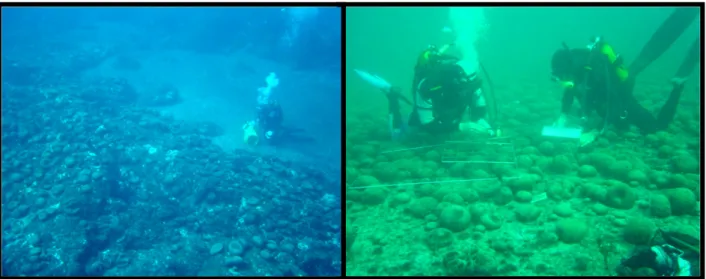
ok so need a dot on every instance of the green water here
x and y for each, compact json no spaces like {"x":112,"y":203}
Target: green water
{"x":624,"y":191}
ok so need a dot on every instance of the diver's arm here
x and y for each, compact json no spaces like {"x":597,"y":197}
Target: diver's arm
{"x":479,"y":110}
{"x":567,"y":100}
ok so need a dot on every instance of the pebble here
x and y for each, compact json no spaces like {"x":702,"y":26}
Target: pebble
{"x":216,"y":248}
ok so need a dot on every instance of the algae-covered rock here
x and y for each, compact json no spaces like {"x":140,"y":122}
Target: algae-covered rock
{"x":639,"y":230}
{"x":620,"y":196}
{"x":523,"y":183}
{"x":477,"y":173}
{"x":362,"y":150}
{"x":478,"y":209}
{"x":666,"y":151}
{"x":677,"y":180}
{"x":400,"y":199}
{"x":439,"y":238}
{"x":374,"y":196}
{"x":594,"y":192}
{"x":351,"y":174}
{"x":660,"y":179}
{"x":432,"y":155}
{"x":685,"y":163}
{"x":563,"y":209}
{"x":571,"y":230}
{"x":455,"y":218}
{"x":425,"y":189}
{"x":600,"y":209}
{"x":366,"y":180}
{"x":524,"y":161}
{"x":422,"y":206}
{"x":527,"y":213}
{"x":504,"y":196}
{"x":682,"y":200}
{"x":637,"y":176}
{"x":660,"y":206}
{"x":454,"y":198}
{"x":468,"y":195}
{"x":587,"y":171}
{"x":350,"y":235}
{"x":523,"y":196}
{"x":547,"y":148}
{"x":560,"y":190}
{"x":602,"y":162}
{"x":386,"y":172}
{"x":492,"y":221}
{"x":458,"y":169}
{"x":620,"y":169}
{"x":561,"y":164}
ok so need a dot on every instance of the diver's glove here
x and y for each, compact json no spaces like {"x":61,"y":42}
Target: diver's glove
{"x":479,"y":127}
{"x":561,"y":121}
{"x":587,"y":138}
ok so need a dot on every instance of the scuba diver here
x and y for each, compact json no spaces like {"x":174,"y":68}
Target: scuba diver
{"x":443,"y":93}
{"x":270,"y":117}
{"x":598,"y":79}
{"x":659,"y":260}
{"x":269,"y":121}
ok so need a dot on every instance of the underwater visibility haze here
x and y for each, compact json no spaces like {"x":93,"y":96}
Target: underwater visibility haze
{"x":535,"y":141}
{"x":174,"y":141}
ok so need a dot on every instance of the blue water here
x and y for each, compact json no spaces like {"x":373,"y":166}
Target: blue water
{"x":123,"y":149}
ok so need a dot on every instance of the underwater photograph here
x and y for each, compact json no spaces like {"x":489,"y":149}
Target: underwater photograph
{"x":171,"y":141}
{"x":523,"y":141}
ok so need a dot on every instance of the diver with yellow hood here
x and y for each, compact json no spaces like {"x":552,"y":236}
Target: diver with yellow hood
{"x":598,"y":79}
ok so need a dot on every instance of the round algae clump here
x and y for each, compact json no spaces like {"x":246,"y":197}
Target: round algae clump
{"x":523,"y":196}
{"x":455,"y":218}
{"x":423,"y":206}
{"x":639,"y":231}
{"x":587,"y":171}
{"x":571,"y":230}
{"x":660,"y":206}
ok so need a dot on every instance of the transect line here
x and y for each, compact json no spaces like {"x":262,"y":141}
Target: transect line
{"x":413,"y":148}
{"x":431,"y":182}
{"x":478,"y":162}
{"x":488,"y":141}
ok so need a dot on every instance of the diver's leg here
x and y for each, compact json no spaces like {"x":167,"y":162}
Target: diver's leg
{"x":396,"y":124}
{"x":640,"y":117}
{"x":667,"y":33}
{"x":648,"y":123}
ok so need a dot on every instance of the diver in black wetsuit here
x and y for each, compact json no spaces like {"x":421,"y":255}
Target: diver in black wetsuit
{"x":269,"y":120}
{"x":659,"y":260}
{"x":597,"y":77}
{"x":443,"y":92}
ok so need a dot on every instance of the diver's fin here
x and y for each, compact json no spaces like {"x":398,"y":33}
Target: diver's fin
{"x":690,"y":61}
{"x":374,"y":80}
{"x":663,"y":38}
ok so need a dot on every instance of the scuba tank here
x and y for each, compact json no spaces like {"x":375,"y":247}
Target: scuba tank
{"x":432,"y":56}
